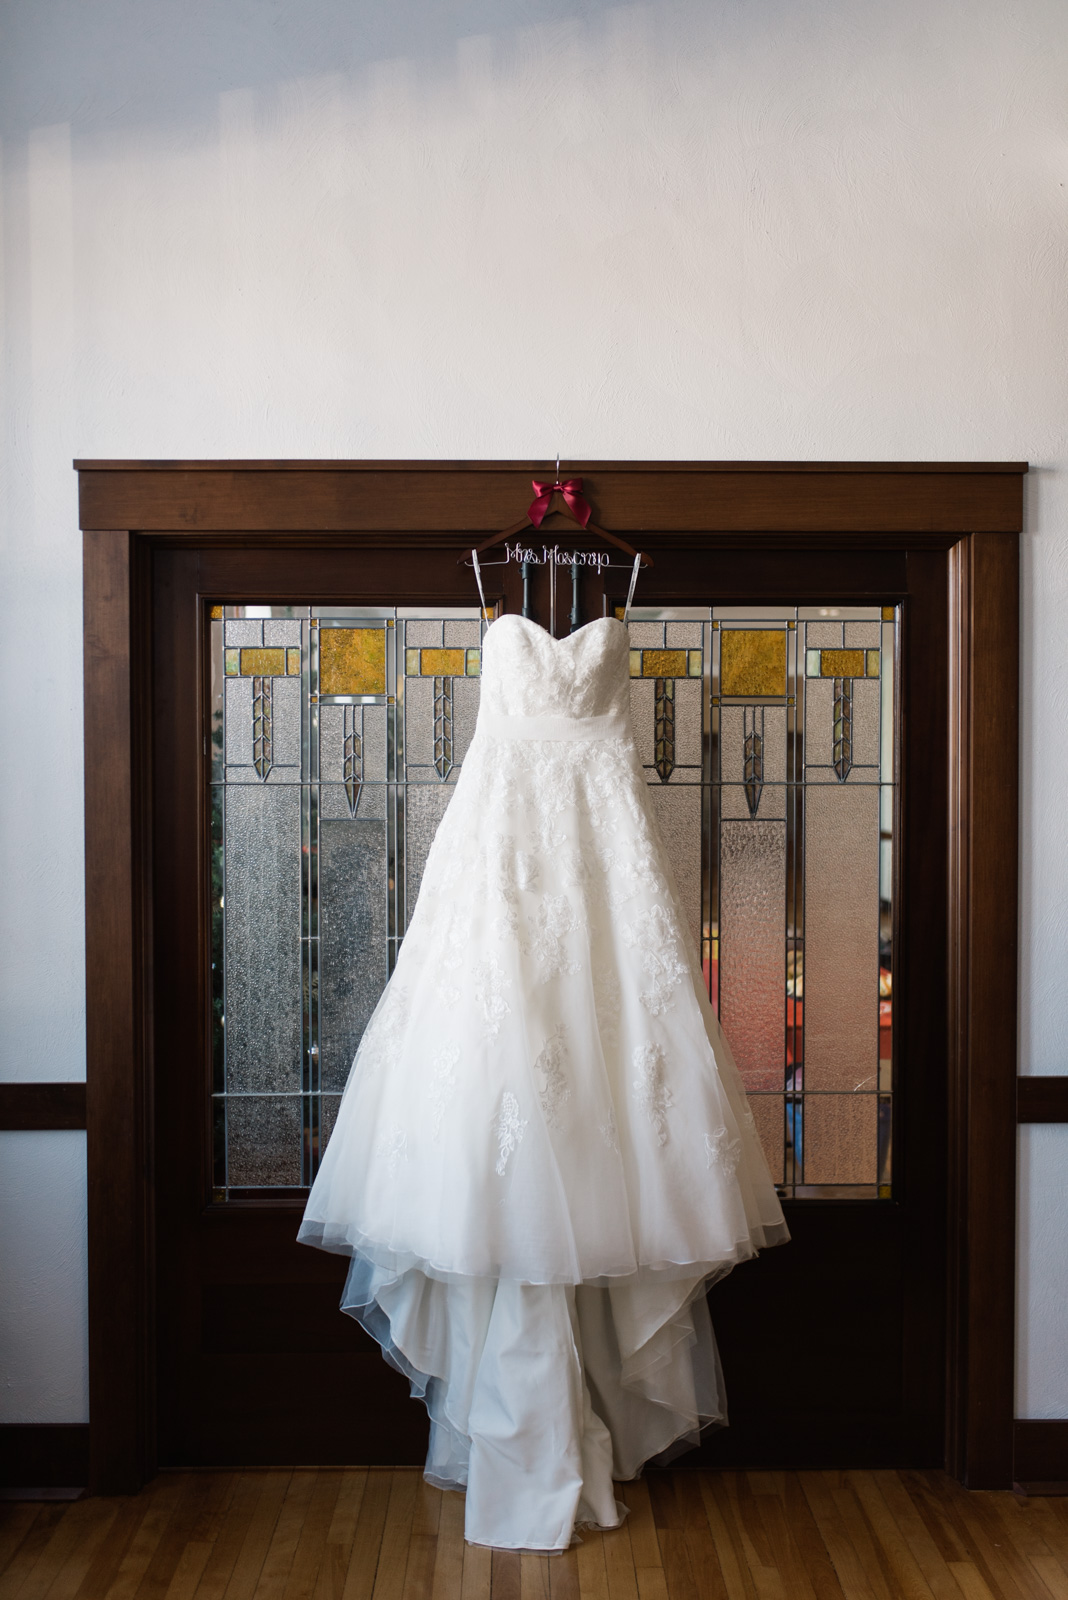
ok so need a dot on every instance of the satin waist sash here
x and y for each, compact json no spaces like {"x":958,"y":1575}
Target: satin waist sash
{"x":499,"y":725}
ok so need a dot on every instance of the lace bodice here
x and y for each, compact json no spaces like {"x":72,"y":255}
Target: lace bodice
{"x":528,"y":673}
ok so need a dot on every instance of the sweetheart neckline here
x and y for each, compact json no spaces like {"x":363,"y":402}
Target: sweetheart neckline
{"x":518,"y":617}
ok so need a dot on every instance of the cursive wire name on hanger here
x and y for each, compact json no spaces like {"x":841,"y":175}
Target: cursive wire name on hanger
{"x":554,"y":556}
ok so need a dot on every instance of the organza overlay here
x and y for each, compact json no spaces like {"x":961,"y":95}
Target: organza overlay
{"x":544,"y":1155}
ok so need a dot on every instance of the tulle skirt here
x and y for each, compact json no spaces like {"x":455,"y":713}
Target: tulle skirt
{"x":544,"y":1155}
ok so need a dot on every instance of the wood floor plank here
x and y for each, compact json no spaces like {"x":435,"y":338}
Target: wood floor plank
{"x":592,"y":1572}
{"x":942,"y":1530}
{"x":810,"y":1546}
{"x":31,"y":1549}
{"x":478,"y":1572}
{"x":724,"y":1527}
{"x":277,"y":1563}
{"x":619,"y":1563}
{"x":785,"y":1556}
{"x":873,"y":1560}
{"x":311,"y":1546}
{"x":849,"y":1569}
{"x":747,"y":1519}
{"x":564,"y":1577}
{"x":202,"y":1495}
{"x":534,"y":1577}
{"x":902,"y":1563}
{"x":641,"y":1525}
{"x":1005,"y":1573}
{"x":70,"y":1553}
{"x":652,"y":1584}
{"x":970,"y":1582}
{"x":507,"y":1575}
{"x":15,"y":1523}
{"x":449,"y":1557}
{"x":367,"y":1543}
{"x":393,"y":1556}
{"x":233,"y":1530}
{"x":915,"y":1535}
{"x":1052,"y":1575}
{"x":259,"y":1534}
{"x":423,"y":1542}
{"x":705,"y":1567}
{"x":98,"y":1577}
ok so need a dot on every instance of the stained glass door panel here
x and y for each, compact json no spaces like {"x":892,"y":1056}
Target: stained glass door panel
{"x":769,"y":741}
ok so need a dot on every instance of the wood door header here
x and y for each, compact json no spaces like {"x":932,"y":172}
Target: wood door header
{"x":194,"y":498}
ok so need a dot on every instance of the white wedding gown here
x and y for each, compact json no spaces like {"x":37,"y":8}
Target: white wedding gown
{"x":544,"y":1154}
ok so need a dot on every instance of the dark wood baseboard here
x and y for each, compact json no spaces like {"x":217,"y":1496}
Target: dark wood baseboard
{"x":26,"y":1106}
{"x":37,"y":1457}
{"x":1042,"y":1099}
{"x":1041,"y":1456}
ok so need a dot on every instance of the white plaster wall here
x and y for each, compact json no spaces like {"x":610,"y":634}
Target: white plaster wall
{"x":695,"y":228}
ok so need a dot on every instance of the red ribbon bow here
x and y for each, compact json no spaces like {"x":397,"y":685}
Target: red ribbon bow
{"x":572,"y":493}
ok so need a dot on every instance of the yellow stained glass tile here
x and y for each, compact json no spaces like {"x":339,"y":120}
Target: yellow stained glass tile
{"x":293,"y":661}
{"x":695,"y":663}
{"x":263,"y":663}
{"x":791,"y":627}
{"x":663,"y":663}
{"x":841,"y":663}
{"x":352,"y":660}
{"x":873,"y":663}
{"x":474,"y":662}
{"x":216,"y":613}
{"x":411,"y":663}
{"x":442,"y":664}
{"x":635,"y":663}
{"x":752,"y":661}
{"x":888,"y":613}
{"x":233,"y":663}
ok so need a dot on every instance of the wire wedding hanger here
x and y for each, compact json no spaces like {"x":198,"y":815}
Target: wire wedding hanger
{"x":577,"y":509}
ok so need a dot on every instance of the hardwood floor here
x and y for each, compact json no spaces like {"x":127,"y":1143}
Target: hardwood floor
{"x":382,"y":1534}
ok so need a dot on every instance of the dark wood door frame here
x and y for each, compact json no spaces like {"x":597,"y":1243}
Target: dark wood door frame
{"x":970,"y":511}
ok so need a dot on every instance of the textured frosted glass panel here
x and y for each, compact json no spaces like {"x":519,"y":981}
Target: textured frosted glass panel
{"x":646,"y":634}
{"x":688,"y":707}
{"x":374,"y":744}
{"x":819,"y":722}
{"x":239,"y":722}
{"x":767,"y":1112}
{"x":281,"y":631}
{"x":641,"y":713}
{"x":861,"y":633}
{"x":263,"y":991}
{"x":841,"y":1139}
{"x":687,"y":635}
{"x":352,"y":938}
{"x":678,"y":816}
{"x":465,"y":695}
{"x":752,"y":952}
{"x":841,"y":937}
{"x":264,"y":1143}
{"x":462,"y":633}
{"x":419,"y":721}
{"x":422,"y":633}
{"x":823,"y":634}
{"x":285,"y":698}
{"x":240,"y":632}
{"x":867,"y":696}
{"x":424,"y":806}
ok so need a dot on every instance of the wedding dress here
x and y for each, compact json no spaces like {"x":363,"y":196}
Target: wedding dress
{"x":544,"y":1155}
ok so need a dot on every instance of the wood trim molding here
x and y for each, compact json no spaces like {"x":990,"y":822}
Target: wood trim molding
{"x":1041,"y":1099}
{"x":984,"y":733}
{"x":39,"y":1106}
{"x":36,"y":1456}
{"x":973,"y":511}
{"x":1041,"y":1455}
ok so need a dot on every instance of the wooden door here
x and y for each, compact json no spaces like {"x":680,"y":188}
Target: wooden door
{"x":288,"y":835}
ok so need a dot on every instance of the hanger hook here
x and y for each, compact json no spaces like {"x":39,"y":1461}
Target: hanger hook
{"x":558,"y":468}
